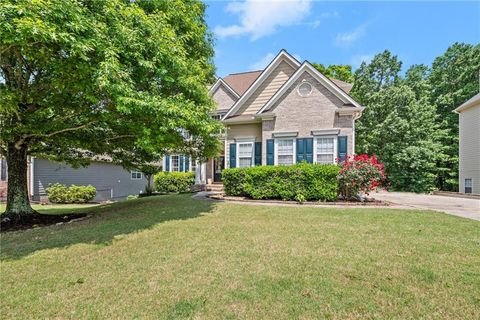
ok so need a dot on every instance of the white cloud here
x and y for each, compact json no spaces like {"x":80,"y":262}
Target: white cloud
{"x":357,"y":60}
{"x":263,"y":62}
{"x":261,"y":18}
{"x":346,"y":39}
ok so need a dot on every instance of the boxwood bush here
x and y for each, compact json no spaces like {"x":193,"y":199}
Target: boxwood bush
{"x":300,"y":182}
{"x":174,"y":181}
{"x":60,"y":193}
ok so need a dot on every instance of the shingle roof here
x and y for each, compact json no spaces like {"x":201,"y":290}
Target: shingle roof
{"x":241,"y":81}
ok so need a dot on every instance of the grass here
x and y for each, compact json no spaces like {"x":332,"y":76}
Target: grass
{"x":58,"y":209}
{"x":171,"y":257}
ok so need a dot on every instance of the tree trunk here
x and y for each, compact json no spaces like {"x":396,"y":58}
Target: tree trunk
{"x":148,"y":189}
{"x":18,"y":203}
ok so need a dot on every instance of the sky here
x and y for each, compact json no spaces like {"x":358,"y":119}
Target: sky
{"x":248,"y":34}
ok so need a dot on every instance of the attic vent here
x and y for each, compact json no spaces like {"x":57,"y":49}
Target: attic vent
{"x":304,"y":89}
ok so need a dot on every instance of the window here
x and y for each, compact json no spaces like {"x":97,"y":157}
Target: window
{"x":304,"y":89}
{"x":193,"y":164}
{"x":217,"y":117}
{"x":175,"y":163}
{"x":135,"y":175}
{"x":285,"y":152}
{"x":325,"y":152}
{"x":3,"y":175}
{"x":468,"y":185}
{"x":245,"y":154}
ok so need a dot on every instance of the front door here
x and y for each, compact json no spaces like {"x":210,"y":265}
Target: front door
{"x":218,"y":166}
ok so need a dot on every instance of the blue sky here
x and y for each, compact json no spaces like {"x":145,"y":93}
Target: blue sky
{"x":249,"y":33}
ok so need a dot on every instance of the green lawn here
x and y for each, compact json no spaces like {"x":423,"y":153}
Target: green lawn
{"x":59,"y":208}
{"x":173,"y":257}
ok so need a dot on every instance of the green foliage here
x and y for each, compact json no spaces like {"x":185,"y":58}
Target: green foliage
{"x":132,"y":196}
{"x":409,"y":121}
{"x":336,"y":71}
{"x":300,"y":182}
{"x":82,"y":78}
{"x":60,"y":193}
{"x":174,"y":181}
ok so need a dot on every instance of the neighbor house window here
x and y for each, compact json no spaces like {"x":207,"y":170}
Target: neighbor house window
{"x":175,"y":163}
{"x":468,"y":185}
{"x":285,"y":152}
{"x":3,"y":175}
{"x":325,"y":152}
{"x":245,"y":154}
{"x":193,"y":164}
{"x":135,"y":175}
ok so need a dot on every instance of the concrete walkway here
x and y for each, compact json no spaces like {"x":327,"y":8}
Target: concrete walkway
{"x":462,"y":207}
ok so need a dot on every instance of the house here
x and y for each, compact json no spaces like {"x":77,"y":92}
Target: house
{"x":469,"y":149}
{"x":287,"y":113}
{"x":112,"y":181}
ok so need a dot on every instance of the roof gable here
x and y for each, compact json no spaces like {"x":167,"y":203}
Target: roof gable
{"x":221,"y":82}
{"x":326,"y":82}
{"x":281,"y":57}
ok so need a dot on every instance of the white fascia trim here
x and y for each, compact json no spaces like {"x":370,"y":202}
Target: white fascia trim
{"x":307,"y":67}
{"x":282,"y":56}
{"x":217,"y":84}
{"x":322,"y":132}
{"x":469,"y":103}
{"x":291,"y":134}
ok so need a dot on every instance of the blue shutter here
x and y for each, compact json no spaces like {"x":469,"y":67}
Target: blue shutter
{"x":167,"y":163}
{"x":187,"y":164}
{"x":300,"y":150}
{"x":342,"y":147}
{"x":233,"y":155}
{"x":180,"y":159}
{"x":258,"y":153}
{"x":308,"y":156}
{"x":270,"y":152}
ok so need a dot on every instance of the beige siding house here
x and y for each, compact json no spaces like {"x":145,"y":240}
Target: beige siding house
{"x":469,"y":151}
{"x":287,"y":113}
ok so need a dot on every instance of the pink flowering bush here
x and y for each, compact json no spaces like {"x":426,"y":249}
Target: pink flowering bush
{"x":359,"y":174}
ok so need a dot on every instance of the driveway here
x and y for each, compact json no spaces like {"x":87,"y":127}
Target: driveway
{"x":462,"y":207}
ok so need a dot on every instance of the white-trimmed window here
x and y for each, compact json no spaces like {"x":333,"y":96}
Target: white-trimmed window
{"x":325,"y":149}
{"x":245,"y":154}
{"x":468,"y":185}
{"x":175,"y":163}
{"x":285,"y":152}
{"x":193,"y":164}
{"x":135,"y":175}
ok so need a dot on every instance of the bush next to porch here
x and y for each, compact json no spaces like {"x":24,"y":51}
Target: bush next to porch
{"x":300,"y":182}
{"x":174,"y":181}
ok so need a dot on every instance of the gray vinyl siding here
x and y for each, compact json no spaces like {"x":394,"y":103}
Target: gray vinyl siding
{"x":111,"y":181}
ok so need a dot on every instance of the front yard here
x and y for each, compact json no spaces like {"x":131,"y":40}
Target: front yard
{"x":173,"y":257}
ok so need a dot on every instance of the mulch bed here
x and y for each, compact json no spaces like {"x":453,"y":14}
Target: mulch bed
{"x":368,"y":202}
{"x":40,"y":220}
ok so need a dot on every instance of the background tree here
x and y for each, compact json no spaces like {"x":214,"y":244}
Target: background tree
{"x":399,"y":124}
{"x":82,"y":78}
{"x":337,"y":71}
{"x":454,"y":78}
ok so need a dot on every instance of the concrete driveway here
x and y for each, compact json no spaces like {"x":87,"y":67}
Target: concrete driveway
{"x":462,"y":207}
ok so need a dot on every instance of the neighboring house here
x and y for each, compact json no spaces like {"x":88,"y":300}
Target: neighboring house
{"x":112,"y":181}
{"x":282,"y":115}
{"x":469,"y":150}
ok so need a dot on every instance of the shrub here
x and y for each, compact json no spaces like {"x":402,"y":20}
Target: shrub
{"x":132,"y":197}
{"x":60,"y":193}
{"x":174,"y":181}
{"x":299,"y":182}
{"x":359,"y":174}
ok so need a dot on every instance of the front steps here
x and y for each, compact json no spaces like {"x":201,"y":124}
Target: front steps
{"x":216,"y":187}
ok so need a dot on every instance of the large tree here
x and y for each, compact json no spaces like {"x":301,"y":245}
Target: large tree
{"x":399,"y":123}
{"x":82,"y":78}
{"x":454,"y":78}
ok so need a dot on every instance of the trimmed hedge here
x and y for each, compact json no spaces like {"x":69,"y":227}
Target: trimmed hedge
{"x":174,"y":181}
{"x":60,"y":193}
{"x":299,"y":182}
